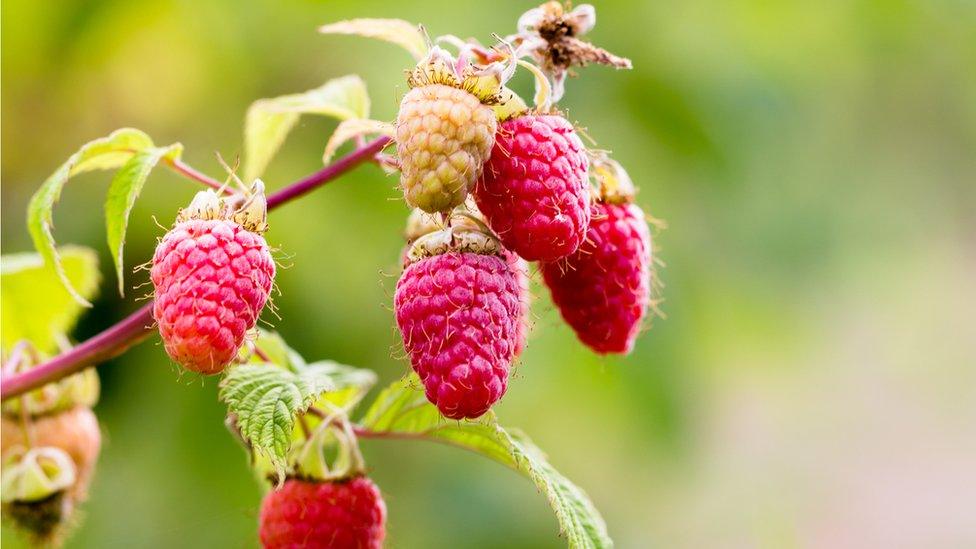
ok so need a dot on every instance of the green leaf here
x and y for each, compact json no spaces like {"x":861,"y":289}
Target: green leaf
{"x":34,"y":305}
{"x":101,"y":154}
{"x":402,"y":409}
{"x":266,"y":400}
{"x":275,"y":348}
{"x":579,"y":519}
{"x":402,"y":33}
{"x":351,"y":385}
{"x":511,"y":104}
{"x":122,"y":194}
{"x":268,"y":121}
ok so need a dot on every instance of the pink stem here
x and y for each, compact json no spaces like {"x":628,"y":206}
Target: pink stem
{"x":116,"y":339}
{"x":110,"y":343}
{"x":186,"y":170}
{"x":261,"y":354}
{"x":362,"y":432}
{"x":330,"y":172}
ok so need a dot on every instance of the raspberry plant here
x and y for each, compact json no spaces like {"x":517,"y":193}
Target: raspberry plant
{"x":494,"y":183}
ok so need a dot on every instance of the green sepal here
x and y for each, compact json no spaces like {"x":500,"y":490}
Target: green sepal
{"x":36,"y":474}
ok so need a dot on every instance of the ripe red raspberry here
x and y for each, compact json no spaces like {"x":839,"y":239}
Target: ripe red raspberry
{"x":534,"y":191}
{"x":603,"y":290}
{"x":420,"y":223}
{"x":212,"y":279}
{"x":318,"y":515}
{"x":459,"y":315}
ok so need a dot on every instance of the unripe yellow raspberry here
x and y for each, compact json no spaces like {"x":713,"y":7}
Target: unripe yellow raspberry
{"x":75,"y":431}
{"x":444,"y":137}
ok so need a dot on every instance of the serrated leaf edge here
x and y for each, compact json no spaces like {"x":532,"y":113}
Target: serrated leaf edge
{"x":510,"y":448}
{"x":303,"y":388}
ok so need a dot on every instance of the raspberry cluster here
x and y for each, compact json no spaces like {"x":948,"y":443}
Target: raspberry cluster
{"x":494,"y":184}
{"x":462,"y":302}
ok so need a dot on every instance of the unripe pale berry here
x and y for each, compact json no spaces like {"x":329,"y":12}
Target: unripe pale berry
{"x":446,"y":127}
{"x":75,"y":431}
{"x":444,"y":135}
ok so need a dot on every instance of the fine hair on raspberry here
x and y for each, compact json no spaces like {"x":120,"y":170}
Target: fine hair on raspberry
{"x":341,"y":514}
{"x":534,"y":191}
{"x":459,"y":316}
{"x":212,"y":279}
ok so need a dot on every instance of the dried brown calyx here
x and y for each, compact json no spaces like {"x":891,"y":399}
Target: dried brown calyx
{"x":550,"y":34}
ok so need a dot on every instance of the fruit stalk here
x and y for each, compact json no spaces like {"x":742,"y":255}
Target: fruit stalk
{"x":189,"y":172}
{"x":328,"y":173}
{"x":116,"y":339}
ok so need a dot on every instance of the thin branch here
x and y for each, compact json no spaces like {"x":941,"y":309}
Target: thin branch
{"x":305,"y":430}
{"x":317,"y":412}
{"x":362,"y":432}
{"x":108,"y":344}
{"x":116,"y":339}
{"x":260,"y":354}
{"x":328,"y":173}
{"x":188,"y":171}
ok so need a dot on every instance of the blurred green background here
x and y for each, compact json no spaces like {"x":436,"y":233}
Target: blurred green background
{"x":813,"y":385}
